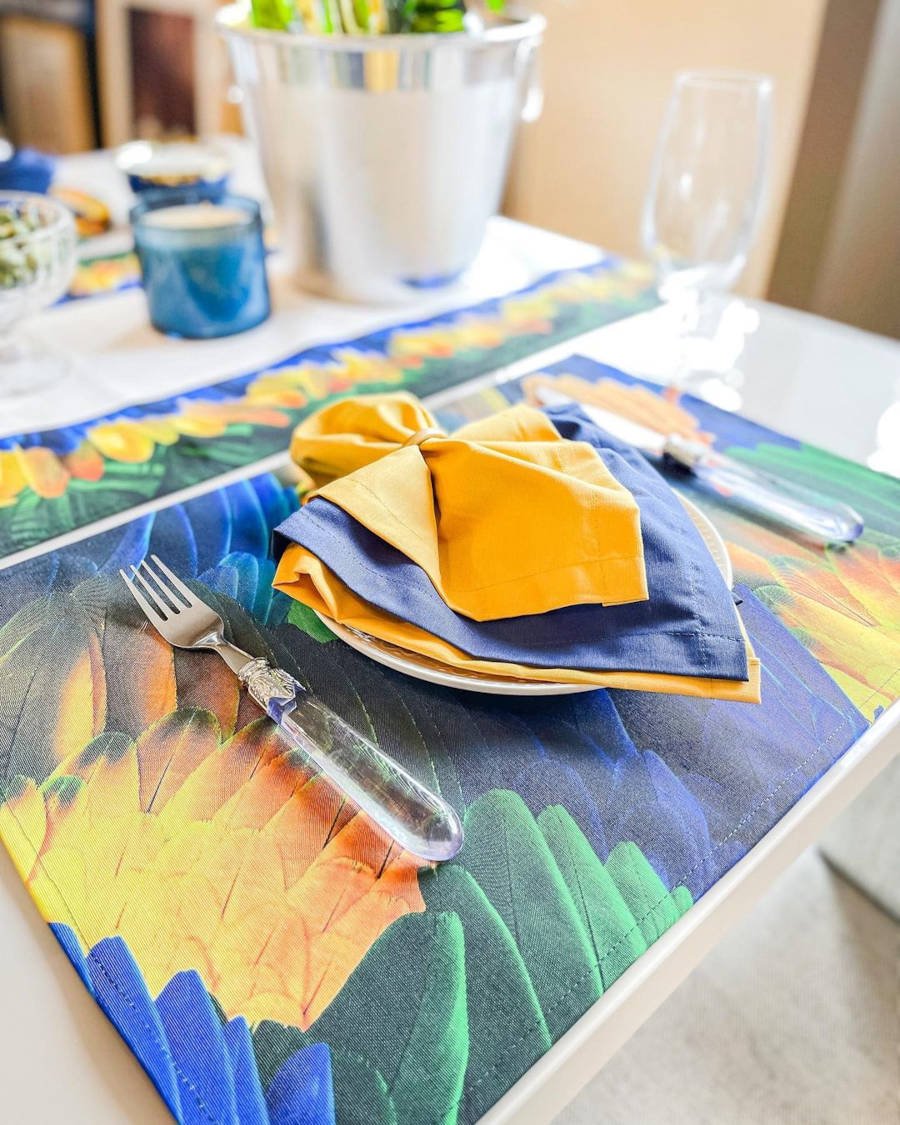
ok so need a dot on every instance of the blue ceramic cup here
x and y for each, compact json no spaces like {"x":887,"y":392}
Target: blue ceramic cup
{"x":173,"y":166}
{"x":203,"y":263}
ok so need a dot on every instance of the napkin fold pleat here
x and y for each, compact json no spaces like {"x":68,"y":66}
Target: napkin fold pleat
{"x":505,"y":517}
{"x":307,"y":579}
{"x":669,"y":634}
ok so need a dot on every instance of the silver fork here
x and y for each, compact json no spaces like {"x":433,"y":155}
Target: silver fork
{"x":418,"y":819}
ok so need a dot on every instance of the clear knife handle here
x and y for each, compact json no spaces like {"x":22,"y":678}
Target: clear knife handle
{"x":764,"y":494}
{"x":418,"y":819}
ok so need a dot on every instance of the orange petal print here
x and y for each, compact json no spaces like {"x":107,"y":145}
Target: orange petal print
{"x":293,"y":386}
{"x":271,"y":392}
{"x":634,"y":402}
{"x":750,"y":567}
{"x":255,"y":871}
{"x":421,"y":343}
{"x":256,"y":415}
{"x":367,"y":367}
{"x":199,"y":421}
{"x":873,"y":578}
{"x":23,"y":822}
{"x":210,"y":419}
{"x":857,"y":654}
{"x":159,"y":429}
{"x":43,"y":471}
{"x":846,"y":611}
{"x":535,"y":307}
{"x":207,"y":682}
{"x":478,"y":332}
{"x":170,"y":751}
{"x":229,"y":772}
{"x":137,"y":701}
{"x":82,"y":701}
{"x":84,"y":463}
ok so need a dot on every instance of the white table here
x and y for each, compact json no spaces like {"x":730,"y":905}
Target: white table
{"x":808,"y":377}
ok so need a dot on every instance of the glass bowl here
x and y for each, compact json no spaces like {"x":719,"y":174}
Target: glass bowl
{"x":37,"y":261}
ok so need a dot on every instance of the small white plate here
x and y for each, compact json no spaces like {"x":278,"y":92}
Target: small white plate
{"x":422,"y":668}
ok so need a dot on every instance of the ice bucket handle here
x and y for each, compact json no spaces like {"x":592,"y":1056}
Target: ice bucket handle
{"x":533,"y":91}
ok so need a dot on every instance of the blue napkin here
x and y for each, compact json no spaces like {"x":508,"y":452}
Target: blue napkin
{"x":27,"y":170}
{"x":688,"y":627}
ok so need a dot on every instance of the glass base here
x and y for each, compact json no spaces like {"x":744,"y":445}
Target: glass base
{"x":722,"y":390}
{"x":711,"y":335}
{"x":29,"y":368}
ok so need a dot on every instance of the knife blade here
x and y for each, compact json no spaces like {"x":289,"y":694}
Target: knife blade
{"x":754,"y":490}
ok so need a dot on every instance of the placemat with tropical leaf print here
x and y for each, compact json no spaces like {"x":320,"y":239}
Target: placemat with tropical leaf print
{"x":263,"y":950}
{"x":54,"y":481}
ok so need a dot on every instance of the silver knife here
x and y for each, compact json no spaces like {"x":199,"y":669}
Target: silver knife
{"x":754,"y":490}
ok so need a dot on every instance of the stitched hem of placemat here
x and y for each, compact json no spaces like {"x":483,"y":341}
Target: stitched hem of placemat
{"x":182,"y":1077}
{"x":467,"y":1091}
{"x":125,"y":996}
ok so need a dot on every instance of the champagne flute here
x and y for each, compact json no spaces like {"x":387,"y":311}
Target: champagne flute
{"x":704,"y":203}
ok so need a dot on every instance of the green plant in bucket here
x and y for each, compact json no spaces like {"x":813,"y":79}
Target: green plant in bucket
{"x":277,"y":15}
{"x":434,"y":15}
{"x":367,"y":17}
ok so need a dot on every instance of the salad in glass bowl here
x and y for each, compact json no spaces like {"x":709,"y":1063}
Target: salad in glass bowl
{"x":37,"y":260}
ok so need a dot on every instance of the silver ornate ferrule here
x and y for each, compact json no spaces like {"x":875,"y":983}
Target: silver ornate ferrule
{"x":272,"y":688}
{"x":685,"y":452}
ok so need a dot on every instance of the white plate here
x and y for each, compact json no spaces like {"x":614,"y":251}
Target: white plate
{"x":422,"y":668}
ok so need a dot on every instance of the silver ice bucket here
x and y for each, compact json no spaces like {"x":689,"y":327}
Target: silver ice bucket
{"x":386,"y":155}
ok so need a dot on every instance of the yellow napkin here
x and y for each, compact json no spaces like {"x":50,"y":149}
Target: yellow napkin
{"x":306,"y":578}
{"x":505,"y":517}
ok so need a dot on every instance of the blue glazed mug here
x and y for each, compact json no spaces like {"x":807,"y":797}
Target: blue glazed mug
{"x":203,"y":263}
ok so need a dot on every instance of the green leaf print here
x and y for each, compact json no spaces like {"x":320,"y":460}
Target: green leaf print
{"x":617,"y":939}
{"x":654,"y":909}
{"x":399,"y":1021}
{"x":515,"y":868}
{"x":501,"y":1001}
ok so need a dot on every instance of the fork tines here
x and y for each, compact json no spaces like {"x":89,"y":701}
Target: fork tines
{"x":158,"y":600}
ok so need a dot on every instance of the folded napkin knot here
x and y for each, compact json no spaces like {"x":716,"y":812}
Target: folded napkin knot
{"x":423,"y":435}
{"x":505,"y":516}
{"x":509,"y":510}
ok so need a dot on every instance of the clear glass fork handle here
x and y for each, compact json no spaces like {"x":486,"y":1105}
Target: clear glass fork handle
{"x":418,"y":819}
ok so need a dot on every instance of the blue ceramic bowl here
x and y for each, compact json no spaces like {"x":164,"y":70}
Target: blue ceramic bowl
{"x":174,"y":167}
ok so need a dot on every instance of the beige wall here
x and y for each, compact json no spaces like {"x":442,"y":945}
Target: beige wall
{"x":608,"y":67}
{"x":859,"y":277}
